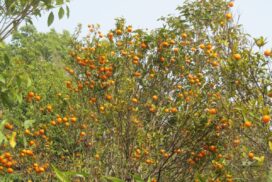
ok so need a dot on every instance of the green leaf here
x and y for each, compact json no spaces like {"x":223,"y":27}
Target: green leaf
{"x":77,"y":174}
{"x":260,"y":160}
{"x":28,"y":82}
{"x":65,"y":176}
{"x":67,"y":11}
{"x":61,"y":13}
{"x":50,"y":19}
{"x":2,"y":137}
{"x":60,"y":175}
{"x":113,"y":179}
{"x":270,"y":145}
{"x":12,"y":140}
{"x":7,"y":60}
{"x":19,"y":98}
{"x":138,"y":178}
{"x":28,"y":123}
{"x":2,"y":79}
{"x":59,"y":2}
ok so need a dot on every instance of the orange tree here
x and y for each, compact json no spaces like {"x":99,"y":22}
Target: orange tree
{"x":188,"y":101}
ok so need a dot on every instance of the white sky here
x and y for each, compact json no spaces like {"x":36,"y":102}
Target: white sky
{"x":255,"y":15}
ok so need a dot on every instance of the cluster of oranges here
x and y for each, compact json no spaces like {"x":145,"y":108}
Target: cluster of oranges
{"x":7,"y":161}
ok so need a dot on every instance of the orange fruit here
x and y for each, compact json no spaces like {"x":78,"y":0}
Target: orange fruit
{"x":30,"y":94}
{"x":41,"y":131}
{"x":9,"y":126}
{"x":110,"y":36}
{"x":267,"y":53}
{"x":82,"y":134}
{"x":229,"y":16}
{"x":184,"y":35}
{"x":108,"y":97}
{"x":248,"y":124}
{"x":143,"y":45}
{"x":134,"y":100}
{"x":212,"y":111}
{"x":237,"y":56}
{"x":174,"y":110}
{"x":250,"y":155}
{"x":53,"y":123}
{"x":73,"y":119}
{"x":155,"y":97}
{"x":202,"y":46}
{"x":129,"y":29}
{"x":137,"y":74}
{"x":266,"y":118}
{"x":41,"y":169}
{"x":10,"y":170}
{"x":212,"y":148}
{"x":31,"y":142}
{"x":231,"y":4}
{"x":38,"y":98}
{"x":119,"y":32}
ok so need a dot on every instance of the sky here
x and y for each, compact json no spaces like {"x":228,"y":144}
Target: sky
{"x":255,"y":15}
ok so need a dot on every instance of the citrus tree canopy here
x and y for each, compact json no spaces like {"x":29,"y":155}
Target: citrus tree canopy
{"x":190,"y":101}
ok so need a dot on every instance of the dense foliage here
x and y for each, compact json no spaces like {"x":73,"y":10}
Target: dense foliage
{"x":190,"y":101}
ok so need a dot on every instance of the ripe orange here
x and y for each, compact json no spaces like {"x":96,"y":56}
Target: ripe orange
{"x":202,"y":46}
{"x":119,"y":32}
{"x":41,"y":131}
{"x":97,"y":157}
{"x":110,"y":36}
{"x":9,"y":126}
{"x":155,"y":97}
{"x":184,"y":35}
{"x":231,"y":4}
{"x":108,"y":97}
{"x":129,"y":28}
{"x":267,"y":53}
{"x":30,"y":94}
{"x":237,"y":56}
{"x":8,"y":164}
{"x":266,"y":118}
{"x":82,"y":134}
{"x":176,"y":49}
{"x":143,"y":45}
{"x":73,"y":119}
{"x":250,"y":155}
{"x":31,"y":142}
{"x":174,"y":110}
{"x":134,"y":100}
{"x":229,"y":16}
{"x":102,"y":108}
{"x":212,"y":111}
{"x":248,"y":124}
{"x":212,"y":148}
{"x":38,"y":98}
{"x":10,"y":170}
{"x":41,"y":169}
{"x":49,"y":108}
{"x":53,"y":123}
{"x":137,"y":74}
{"x":7,"y":155}
{"x":59,"y":119}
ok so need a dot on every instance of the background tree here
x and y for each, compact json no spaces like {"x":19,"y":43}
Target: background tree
{"x":14,"y":12}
